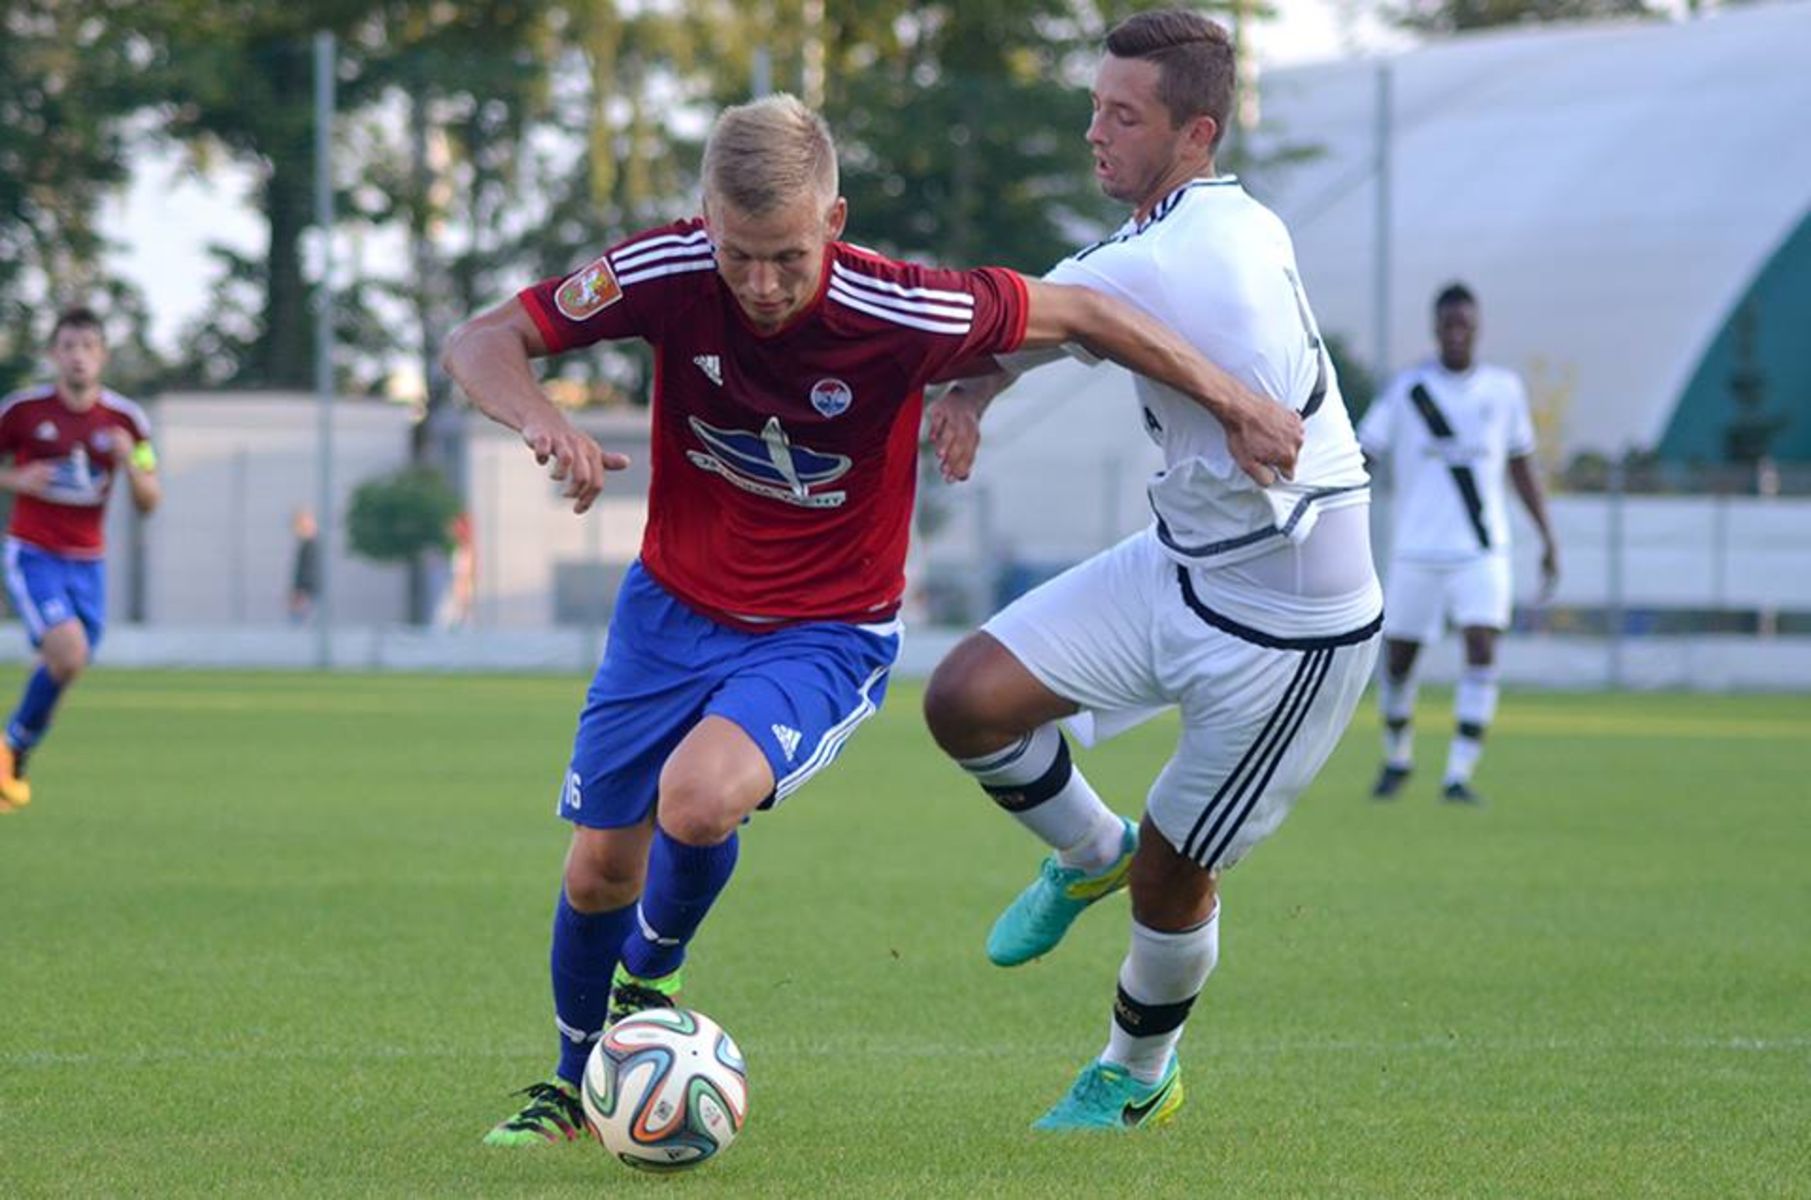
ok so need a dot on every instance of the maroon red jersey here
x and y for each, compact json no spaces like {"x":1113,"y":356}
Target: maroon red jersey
{"x":784,"y":464}
{"x":36,"y":426}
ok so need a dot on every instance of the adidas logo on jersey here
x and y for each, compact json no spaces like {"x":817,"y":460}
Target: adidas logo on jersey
{"x":711,"y":366}
{"x":789,"y":740}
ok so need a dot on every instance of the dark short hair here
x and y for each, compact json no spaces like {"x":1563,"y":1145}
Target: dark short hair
{"x":1454,"y":293}
{"x":78,"y":316}
{"x":1194,"y":58}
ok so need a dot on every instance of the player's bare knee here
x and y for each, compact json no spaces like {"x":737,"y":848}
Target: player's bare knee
{"x":949,"y":703}
{"x":65,"y":652}
{"x":979,"y":699}
{"x":1480,"y":646}
{"x":699,"y":825}
{"x":67,"y":664}
{"x":1169,"y":892}
{"x":698,"y":811}
{"x":606,"y":868}
{"x":601,"y":882}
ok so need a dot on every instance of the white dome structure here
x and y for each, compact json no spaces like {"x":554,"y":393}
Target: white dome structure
{"x":1614,"y":194}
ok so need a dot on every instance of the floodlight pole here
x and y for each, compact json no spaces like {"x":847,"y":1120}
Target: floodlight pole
{"x":1380,"y":296}
{"x":323,"y":344}
{"x":760,"y":81}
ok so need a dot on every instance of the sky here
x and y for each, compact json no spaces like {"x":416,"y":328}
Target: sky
{"x":164,"y":220}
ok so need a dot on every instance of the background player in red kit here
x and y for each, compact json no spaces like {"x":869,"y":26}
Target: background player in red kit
{"x":66,"y":439}
{"x":757,"y":630}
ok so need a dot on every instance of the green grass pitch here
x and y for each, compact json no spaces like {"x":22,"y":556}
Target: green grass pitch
{"x":286,"y":935}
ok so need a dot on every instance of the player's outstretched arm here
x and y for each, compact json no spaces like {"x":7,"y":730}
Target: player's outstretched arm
{"x":1263,"y":437}
{"x":488,"y":357}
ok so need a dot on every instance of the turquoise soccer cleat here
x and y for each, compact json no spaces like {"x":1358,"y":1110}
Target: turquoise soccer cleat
{"x":1033,"y":924}
{"x":1105,"y":1096}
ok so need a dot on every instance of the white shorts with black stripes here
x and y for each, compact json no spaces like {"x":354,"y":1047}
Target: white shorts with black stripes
{"x":1123,"y":637}
{"x":1421,"y":597}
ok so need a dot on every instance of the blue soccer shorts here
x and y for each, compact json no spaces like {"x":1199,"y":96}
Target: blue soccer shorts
{"x":799,"y":692}
{"x":48,"y":589}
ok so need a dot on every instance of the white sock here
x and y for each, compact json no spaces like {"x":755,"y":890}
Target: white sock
{"x":1158,"y":982}
{"x":1035,"y":781}
{"x":1474,"y":705}
{"x":1396,"y":704}
{"x":1475,"y":697}
{"x":1462,"y":758}
{"x":1101,"y":848}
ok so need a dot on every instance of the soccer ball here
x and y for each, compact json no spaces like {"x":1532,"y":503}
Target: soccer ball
{"x":665,"y":1089}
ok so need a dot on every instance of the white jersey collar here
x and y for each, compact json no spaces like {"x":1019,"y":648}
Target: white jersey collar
{"x":1168,"y":204}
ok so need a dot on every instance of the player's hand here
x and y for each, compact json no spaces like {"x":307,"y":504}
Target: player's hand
{"x":578,"y":462}
{"x":1549,"y":571}
{"x":32,"y":479}
{"x":1264,"y":440}
{"x":954,"y":427}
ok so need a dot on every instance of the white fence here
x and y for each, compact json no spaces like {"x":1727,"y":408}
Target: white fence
{"x":210,"y":573}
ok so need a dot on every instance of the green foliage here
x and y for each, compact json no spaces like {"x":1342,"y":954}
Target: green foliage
{"x":1357,"y":384}
{"x":511,"y":142}
{"x":62,"y":91}
{"x":237,"y":77}
{"x":348,"y":945}
{"x":962,"y":144}
{"x":398,"y":517}
{"x":1457,"y":16}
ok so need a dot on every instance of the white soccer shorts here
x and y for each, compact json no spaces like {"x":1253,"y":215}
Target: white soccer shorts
{"x":1126,"y":633}
{"x":1420,"y":597}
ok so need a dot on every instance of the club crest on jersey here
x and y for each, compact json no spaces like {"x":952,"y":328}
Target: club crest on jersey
{"x":768,"y":463}
{"x":589,"y":292}
{"x":831,"y":397}
{"x":45,"y":432}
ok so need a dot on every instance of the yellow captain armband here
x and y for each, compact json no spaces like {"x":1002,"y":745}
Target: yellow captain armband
{"x":144,"y":457}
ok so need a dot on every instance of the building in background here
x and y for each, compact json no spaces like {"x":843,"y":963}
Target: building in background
{"x":1631,"y":202}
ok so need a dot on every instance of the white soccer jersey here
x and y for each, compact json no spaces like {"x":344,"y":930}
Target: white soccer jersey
{"x":1219,"y":268}
{"x":1449,"y":439}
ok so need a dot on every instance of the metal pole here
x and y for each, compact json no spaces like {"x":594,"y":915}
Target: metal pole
{"x":1380,"y":296}
{"x":241,"y":494}
{"x":323,"y":340}
{"x":1615,"y":612}
{"x":761,"y":81}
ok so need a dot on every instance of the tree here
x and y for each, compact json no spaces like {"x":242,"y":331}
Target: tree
{"x":65,"y":72}
{"x":1357,"y":383}
{"x":401,"y":518}
{"x":959,"y":124}
{"x":1457,"y":16}
{"x":238,"y":76}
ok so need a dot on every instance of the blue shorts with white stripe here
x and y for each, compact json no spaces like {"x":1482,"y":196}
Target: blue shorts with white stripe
{"x":48,"y":589}
{"x":798,"y":692}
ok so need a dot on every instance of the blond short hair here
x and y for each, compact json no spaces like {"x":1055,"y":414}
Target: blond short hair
{"x":768,"y":153}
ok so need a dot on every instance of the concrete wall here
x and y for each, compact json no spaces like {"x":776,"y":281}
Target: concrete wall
{"x":235,"y":467}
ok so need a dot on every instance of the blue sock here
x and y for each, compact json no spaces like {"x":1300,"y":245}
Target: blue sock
{"x":585,"y":946}
{"x":32,"y":718}
{"x":683,"y":882}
